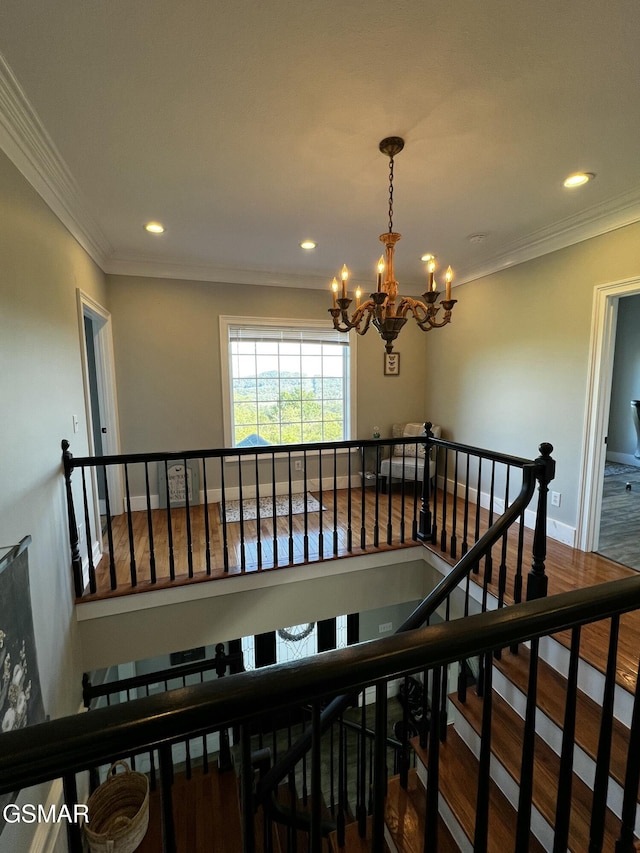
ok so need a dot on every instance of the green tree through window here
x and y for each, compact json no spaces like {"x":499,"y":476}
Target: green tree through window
{"x":287,"y":384}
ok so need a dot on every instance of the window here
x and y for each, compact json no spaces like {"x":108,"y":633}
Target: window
{"x":288,"y":382}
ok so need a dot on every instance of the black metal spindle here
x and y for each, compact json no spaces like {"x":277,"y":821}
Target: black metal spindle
{"x":502,"y":571}
{"x":132,"y":548}
{"x":601,"y":781}
{"x":305,"y":538}
{"x":349,"y":504}
{"x":433,"y":766}
{"x":113,"y":578}
{"x":320,"y":514}
{"x":258,"y":515}
{"x":453,"y":542}
{"x":565,"y":775}
{"x":74,"y":830}
{"x":274,"y":514}
{"x":246,"y":791}
{"x":291,"y":541}
{"x":166,"y":799}
{"x":445,"y":490}
{"x":376,"y":514}
{"x":436,"y":494}
{"x":205,"y":510}
{"x":336,"y":541}
{"x":380,"y":774}
{"x":152,"y":552}
{"x":481,"y":830}
{"x":478,"y":503}
{"x":363,"y":504}
{"x":88,"y":536}
{"x":223,"y":514}
{"x":172,"y":563}
{"x":626,"y":841}
{"x":243,"y":546}
{"x":316,"y":780}
{"x":423,"y":532}
{"x":361,"y":786}
{"x":465,"y":519}
{"x":488,"y":561}
{"x":523,"y":824}
{"x":342,"y":784}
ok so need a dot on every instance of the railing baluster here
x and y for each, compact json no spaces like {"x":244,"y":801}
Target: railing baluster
{"x":258,"y":516}
{"x":336,"y":540}
{"x":436,"y":492}
{"x":88,"y":535}
{"x":316,"y":780}
{"x":565,"y":775}
{"x":70,"y":796}
{"x":243,"y":550}
{"x":152,"y":553}
{"x":291,"y":540}
{"x":488,"y":562}
{"x":363,"y":503}
{"x":305,"y":538}
{"x":205,"y":511}
{"x":361,"y":784}
{"x":601,"y":782}
{"x":165,"y":761}
{"x":523,"y":825}
{"x":626,"y":843}
{"x":445,"y":486}
{"x":223,"y":513}
{"x":172,"y":563}
{"x":376,"y":514}
{"x":380,"y":773}
{"x":246,"y":791}
{"x":349,"y":504}
{"x":113,"y":579}
{"x":481,"y":831}
{"x":453,"y":543}
{"x":320,"y":513}
{"x":478,"y":503}
{"x":187,"y":511}
{"x":342,"y":784}
{"x":274,"y":515}
{"x":433,"y":765}
{"x":537,"y":580}
{"x":502,"y":571}
{"x":132,"y":547}
{"x":465,"y":522}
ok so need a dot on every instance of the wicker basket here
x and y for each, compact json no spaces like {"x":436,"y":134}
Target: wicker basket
{"x":118,"y":812}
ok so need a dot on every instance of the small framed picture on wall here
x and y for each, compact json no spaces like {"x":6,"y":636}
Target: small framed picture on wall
{"x":391,"y":363}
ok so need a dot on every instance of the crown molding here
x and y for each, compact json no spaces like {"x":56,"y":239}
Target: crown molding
{"x":208,"y":272}
{"x":25,"y":141}
{"x":608,"y":216}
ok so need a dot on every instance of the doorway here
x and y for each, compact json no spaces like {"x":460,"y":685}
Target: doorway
{"x":100,"y":406}
{"x":600,"y":382}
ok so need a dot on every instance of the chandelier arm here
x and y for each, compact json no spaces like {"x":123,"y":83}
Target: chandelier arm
{"x":425,"y":315}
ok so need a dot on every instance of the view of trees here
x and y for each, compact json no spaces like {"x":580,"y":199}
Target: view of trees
{"x":287,"y":408}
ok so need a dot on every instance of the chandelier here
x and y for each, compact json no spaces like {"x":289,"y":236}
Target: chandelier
{"x":383,"y":308}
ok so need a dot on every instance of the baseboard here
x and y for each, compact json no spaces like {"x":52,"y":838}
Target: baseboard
{"x":139,"y":502}
{"x":623,"y":458}
{"x":558,"y":530}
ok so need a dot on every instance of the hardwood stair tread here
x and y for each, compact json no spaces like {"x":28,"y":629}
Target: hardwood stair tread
{"x":206,"y":814}
{"x":551,"y":701}
{"x":506,"y":745}
{"x":352,"y":841}
{"x":405,"y":816}
{"x":458,"y":786}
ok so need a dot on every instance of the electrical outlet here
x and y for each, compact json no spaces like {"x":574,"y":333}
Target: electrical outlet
{"x":297,"y":465}
{"x":555,"y":498}
{"x":385,"y":627}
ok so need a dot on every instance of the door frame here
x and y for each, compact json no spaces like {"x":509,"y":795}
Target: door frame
{"x":604,"y":320}
{"x":107,"y":398}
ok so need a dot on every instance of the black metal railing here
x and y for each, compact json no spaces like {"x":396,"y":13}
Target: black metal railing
{"x":69,"y":747}
{"x":175,"y":517}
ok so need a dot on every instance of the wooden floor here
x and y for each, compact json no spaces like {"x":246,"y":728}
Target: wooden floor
{"x":340,"y":532}
{"x":620,"y":518}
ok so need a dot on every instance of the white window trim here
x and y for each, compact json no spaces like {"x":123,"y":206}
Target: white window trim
{"x":288,"y":322}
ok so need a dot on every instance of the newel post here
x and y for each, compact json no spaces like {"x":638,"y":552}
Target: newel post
{"x":76,"y":562}
{"x":546,"y":470}
{"x":425,"y":530}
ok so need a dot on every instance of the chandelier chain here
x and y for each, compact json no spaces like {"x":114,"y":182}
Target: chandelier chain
{"x":390,"y":194}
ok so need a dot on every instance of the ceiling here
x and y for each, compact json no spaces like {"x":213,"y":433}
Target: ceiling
{"x":247,"y":127}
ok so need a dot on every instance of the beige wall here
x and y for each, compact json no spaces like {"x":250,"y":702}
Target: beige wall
{"x":41,"y":266}
{"x":167,"y":352}
{"x":513,"y":370}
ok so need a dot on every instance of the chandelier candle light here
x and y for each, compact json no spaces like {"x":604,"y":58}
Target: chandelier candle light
{"x":389,"y":316}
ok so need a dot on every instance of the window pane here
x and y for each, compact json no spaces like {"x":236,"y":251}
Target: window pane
{"x":285,"y":389}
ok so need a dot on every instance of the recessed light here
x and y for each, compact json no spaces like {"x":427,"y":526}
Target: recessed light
{"x":578,"y":179}
{"x":154,"y":228}
{"x":428,"y":257}
{"x":307,"y":244}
